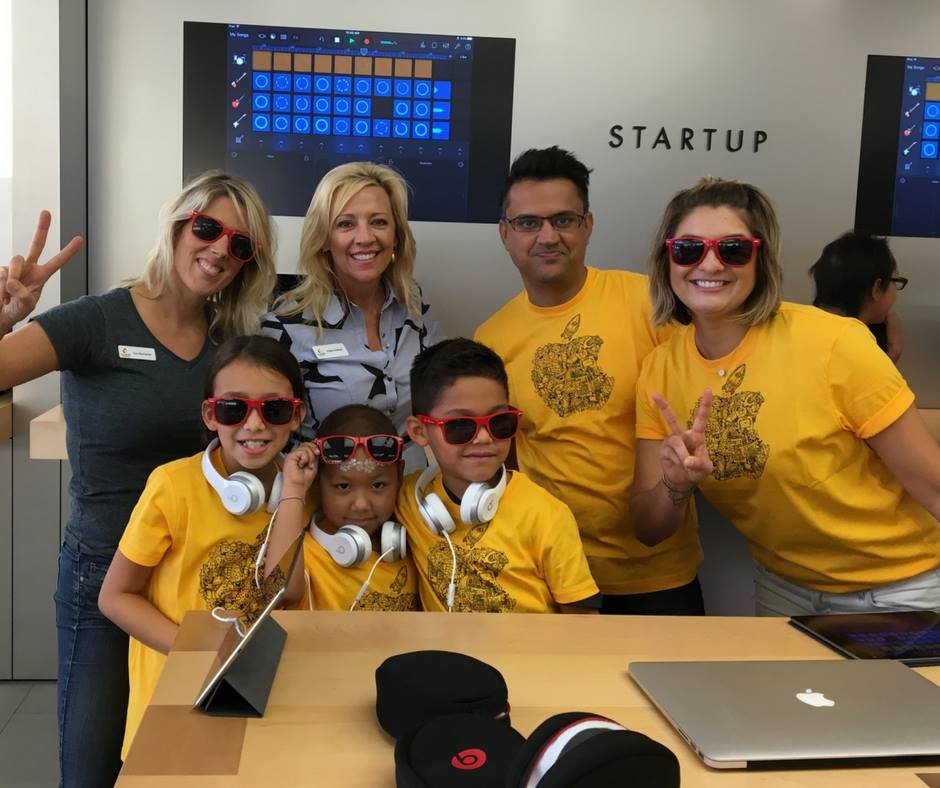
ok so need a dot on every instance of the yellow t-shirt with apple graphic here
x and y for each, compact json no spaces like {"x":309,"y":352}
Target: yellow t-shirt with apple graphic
{"x":573,"y":370}
{"x":527,"y":559}
{"x":793,"y":405}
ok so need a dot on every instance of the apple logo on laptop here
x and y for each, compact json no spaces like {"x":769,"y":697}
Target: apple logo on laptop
{"x":811,"y":698}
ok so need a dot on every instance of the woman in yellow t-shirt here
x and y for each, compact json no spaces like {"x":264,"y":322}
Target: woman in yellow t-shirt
{"x":791,"y":420}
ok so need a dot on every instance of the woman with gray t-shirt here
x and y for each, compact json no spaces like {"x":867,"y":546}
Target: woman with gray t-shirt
{"x":133,"y":361}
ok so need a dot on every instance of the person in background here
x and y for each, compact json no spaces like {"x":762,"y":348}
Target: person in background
{"x":856,"y":275}
{"x":572,"y":342}
{"x":133,"y":361}
{"x":790,"y":420}
{"x":358,"y":319}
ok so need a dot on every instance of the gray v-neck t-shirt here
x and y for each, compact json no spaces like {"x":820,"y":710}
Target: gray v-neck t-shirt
{"x":130,"y":405}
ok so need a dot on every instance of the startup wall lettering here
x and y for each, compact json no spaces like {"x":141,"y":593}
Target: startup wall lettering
{"x":731,"y":140}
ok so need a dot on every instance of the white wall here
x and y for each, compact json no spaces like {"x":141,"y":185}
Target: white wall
{"x":794,"y":68}
{"x":35,"y":185}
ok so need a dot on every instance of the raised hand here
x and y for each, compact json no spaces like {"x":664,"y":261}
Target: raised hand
{"x":22,"y":281}
{"x":684,"y":454}
{"x":300,"y":467}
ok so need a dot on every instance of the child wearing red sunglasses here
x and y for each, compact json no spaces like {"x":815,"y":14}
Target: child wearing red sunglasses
{"x":355,"y":555}
{"x":484,"y":538}
{"x":201,"y":531}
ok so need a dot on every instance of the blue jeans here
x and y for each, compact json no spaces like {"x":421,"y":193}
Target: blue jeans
{"x":93,"y":684}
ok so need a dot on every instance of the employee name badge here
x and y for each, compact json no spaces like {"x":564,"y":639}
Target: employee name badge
{"x":137,"y":353}
{"x":334,"y":350}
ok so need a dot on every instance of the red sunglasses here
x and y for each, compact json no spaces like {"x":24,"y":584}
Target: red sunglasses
{"x":336,"y":449}
{"x":458,"y":430}
{"x":207,"y":228}
{"x":233,"y":411}
{"x":731,"y":250}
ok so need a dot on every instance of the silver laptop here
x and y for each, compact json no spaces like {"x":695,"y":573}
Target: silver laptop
{"x":737,"y":715}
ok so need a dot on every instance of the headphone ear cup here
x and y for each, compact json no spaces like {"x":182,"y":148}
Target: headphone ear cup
{"x":470,"y":503}
{"x":436,"y":516}
{"x":352,"y":546}
{"x":242,"y":493}
{"x":394,"y":539}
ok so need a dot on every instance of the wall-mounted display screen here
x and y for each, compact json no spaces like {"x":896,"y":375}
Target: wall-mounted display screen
{"x":283,"y":105}
{"x":899,"y":167}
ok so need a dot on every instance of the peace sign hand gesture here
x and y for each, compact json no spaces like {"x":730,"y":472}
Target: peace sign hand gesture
{"x":21,"y":282}
{"x":684,"y":454}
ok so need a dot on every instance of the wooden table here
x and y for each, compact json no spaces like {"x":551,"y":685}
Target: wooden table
{"x":320,"y":726}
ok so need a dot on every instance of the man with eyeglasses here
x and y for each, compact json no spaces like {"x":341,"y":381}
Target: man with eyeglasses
{"x":573,"y":342}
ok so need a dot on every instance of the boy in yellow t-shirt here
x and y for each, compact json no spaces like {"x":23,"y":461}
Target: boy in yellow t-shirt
{"x":484,"y":539}
{"x":355,"y":557}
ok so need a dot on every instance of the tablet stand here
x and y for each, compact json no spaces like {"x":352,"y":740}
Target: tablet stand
{"x":244,"y":688}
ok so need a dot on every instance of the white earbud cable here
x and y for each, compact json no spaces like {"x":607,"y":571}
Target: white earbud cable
{"x":362,"y":589}
{"x":452,"y":587}
{"x":220,"y":614}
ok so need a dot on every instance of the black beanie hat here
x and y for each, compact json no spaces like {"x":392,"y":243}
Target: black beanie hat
{"x":457,"y":751}
{"x":412,"y":688}
{"x":582,"y":750}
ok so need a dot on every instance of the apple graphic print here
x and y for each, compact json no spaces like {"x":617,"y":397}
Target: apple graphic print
{"x":734,"y":446}
{"x":477,"y":571}
{"x":811,"y":698}
{"x":566,"y":374}
{"x":227,"y":578}
{"x":375,"y":600}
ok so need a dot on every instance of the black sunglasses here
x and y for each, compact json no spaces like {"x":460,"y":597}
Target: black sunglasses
{"x":732,"y":250}
{"x":240,"y":245}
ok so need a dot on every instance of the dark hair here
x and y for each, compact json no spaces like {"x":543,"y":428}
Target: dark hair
{"x":440,"y":366}
{"x":263,"y":351}
{"x":848,"y":268}
{"x":357,"y":420}
{"x":546,"y":164}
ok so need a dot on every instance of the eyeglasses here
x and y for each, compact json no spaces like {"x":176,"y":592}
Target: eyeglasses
{"x":336,"y":449}
{"x":900,"y":282}
{"x":529,"y":223}
{"x":458,"y":430}
{"x":240,"y":245}
{"x":232,"y":411}
{"x":732,"y":250}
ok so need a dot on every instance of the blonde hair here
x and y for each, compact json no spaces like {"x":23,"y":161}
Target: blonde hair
{"x":238,"y":307}
{"x":335,"y":189}
{"x":757,"y":213}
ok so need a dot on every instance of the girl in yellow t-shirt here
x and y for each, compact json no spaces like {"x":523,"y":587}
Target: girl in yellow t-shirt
{"x":195,"y":538}
{"x":791,"y":420}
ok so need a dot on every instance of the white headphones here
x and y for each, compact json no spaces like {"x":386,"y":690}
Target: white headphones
{"x":351,"y":545}
{"x":477,"y":505}
{"x":242,"y":492}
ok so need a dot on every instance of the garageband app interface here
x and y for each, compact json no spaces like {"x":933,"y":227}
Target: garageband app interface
{"x":300,"y":101}
{"x":916,"y":209}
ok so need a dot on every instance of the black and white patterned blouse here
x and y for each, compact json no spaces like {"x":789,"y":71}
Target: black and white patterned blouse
{"x":340,"y":369}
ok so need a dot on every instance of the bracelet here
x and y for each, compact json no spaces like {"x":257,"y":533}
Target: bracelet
{"x":678,"y":497}
{"x":289,"y":498}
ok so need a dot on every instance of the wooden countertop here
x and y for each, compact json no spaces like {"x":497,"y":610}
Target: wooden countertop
{"x":47,"y":436}
{"x":320,"y":726}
